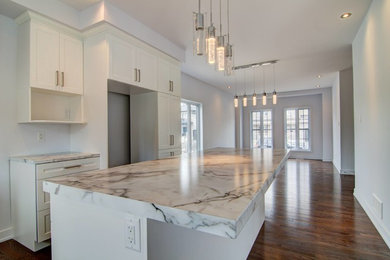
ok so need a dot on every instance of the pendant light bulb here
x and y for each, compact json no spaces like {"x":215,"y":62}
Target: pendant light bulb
{"x":254,"y":99}
{"x":235,"y":101}
{"x":274,"y":98}
{"x":211,"y":39}
{"x":198,"y":37}
{"x":221,"y":53}
{"x":245,"y":101}
{"x":264,"y":99}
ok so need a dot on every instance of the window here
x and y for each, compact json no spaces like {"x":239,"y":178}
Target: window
{"x":297,"y":129}
{"x":261,"y":129}
{"x":190,"y":126}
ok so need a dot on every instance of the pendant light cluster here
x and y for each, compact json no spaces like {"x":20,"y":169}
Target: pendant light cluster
{"x":254,"y":96}
{"x":207,"y":43}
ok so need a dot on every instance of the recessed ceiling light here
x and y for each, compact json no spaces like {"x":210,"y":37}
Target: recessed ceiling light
{"x":229,"y":87}
{"x":318,"y":86}
{"x":345,"y":15}
{"x":319,"y":76}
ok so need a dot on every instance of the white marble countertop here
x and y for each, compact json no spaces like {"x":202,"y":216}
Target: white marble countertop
{"x":53,"y":157}
{"x":215,"y":191}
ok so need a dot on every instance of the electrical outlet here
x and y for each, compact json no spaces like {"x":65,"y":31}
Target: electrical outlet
{"x":41,"y":137}
{"x":378,"y":206}
{"x":132,"y":233}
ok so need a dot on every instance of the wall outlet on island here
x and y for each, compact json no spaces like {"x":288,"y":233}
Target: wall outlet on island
{"x":132,"y":233}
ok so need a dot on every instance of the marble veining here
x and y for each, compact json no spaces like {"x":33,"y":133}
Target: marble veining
{"x":54,"y":157}
{"x":215,"y":191}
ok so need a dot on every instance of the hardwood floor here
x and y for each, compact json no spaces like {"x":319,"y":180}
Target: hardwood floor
{"x":310,"y":214}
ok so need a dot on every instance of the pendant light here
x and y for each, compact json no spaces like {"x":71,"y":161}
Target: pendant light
{"x":198,"y":37}
{"x":211,"y":40}
{"x":235,"y":96}
{"x":220,"y":43}
{"x":264,"y":94}
{"x":229,"y":48}
{"x":245,"y":98}
{"x":254,"y":97}
{"x":274,"y":95}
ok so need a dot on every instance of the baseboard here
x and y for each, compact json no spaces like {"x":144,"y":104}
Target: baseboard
{"x":347,"y":172}
{"x":327,"y":160}
{"x":6,"y":234}
{"x":383,"y":231}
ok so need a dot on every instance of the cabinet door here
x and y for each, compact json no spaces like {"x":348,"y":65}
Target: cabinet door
{"x":164,"y":77}
{"x":175,"y":76}
{"x":44,"y":56}
{"x":71,"y":64}
{"x":174,"y":121}
{"x":147,"y":66}
{"x":164,"y":138}
{"x":122,"y":61}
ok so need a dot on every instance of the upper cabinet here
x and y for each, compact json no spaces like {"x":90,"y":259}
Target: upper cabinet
{"x":169,"y":77}
{"x":131,"y":64}
{"x":50,"y":71}
{"x":56,"y":60}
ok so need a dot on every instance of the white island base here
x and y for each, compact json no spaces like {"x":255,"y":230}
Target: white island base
{"x":81,"y":230}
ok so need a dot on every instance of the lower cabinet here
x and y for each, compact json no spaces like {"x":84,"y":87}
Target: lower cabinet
{"x":30,"y":205}
{"x":168,"y":153}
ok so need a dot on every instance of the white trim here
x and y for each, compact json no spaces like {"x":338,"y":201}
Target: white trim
{"x":6,"y":234}
{"x":347,"y":172}
{"x":297,"y":128}
{"x":379,"y":225}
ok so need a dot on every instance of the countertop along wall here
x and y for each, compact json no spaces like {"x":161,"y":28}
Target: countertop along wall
{"x":371,"y":63}
{"x":217,"y":113}
{"x":18,"y":139}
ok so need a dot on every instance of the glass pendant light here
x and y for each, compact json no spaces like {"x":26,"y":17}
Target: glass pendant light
{"x":220,"y":43}
{"x":245,"y":98}
{"x":254,"y":97}
{"x":198,"y":37}
{"x":274,"y":95}
{"x":264,"y":94}
{"x":235,"y":101}
{"x":211,"y":39}
{"x":229,"y":48}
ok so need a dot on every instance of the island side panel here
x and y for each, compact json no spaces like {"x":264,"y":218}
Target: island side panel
{"x":83,"y":231}
{"x":171,"y":242}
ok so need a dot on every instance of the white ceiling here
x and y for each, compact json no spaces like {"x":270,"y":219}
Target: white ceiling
{"x":307,"y":36}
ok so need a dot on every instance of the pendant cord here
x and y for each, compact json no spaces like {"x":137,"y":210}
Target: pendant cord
{"x":254,"y":81}
{"x":199,"y":6}
{"x":211,"y":12}
{"x":264,"y":79}
{"x":274,"y":76}
{"x":228,"y":21}
{"x":220,"y":17}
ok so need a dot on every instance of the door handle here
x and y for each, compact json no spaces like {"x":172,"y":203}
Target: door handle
{"x":63,"y":79}
{"x":135,"y":75}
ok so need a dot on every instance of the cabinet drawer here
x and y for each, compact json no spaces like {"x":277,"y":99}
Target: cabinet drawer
{"x":43,"y":225}
{"x":50,"y":170}
{"x":43,"y":198}
{"x":168,"y":153}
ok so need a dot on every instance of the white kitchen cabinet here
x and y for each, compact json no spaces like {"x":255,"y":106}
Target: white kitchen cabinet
{"x":169,"y":131}
{"x":169,"y":77}
{"x":50,"y":71}
{"x":131,"y":64}
{"x":30,"y":204}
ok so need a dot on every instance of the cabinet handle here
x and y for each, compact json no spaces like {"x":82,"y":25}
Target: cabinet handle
{"x":57,"y":76}
{"x":171,"y":140}
{"x":63,"y":79}
{"x":172,"y":85}
{"x":135,"y":75}
{"x":73,"y":166}
{"x":139,"y":75}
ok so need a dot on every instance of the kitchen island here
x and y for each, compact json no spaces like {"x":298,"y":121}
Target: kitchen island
{"x":207,"y":205}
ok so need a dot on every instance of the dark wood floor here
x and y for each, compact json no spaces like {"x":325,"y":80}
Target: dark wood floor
{"x":310,"y":214}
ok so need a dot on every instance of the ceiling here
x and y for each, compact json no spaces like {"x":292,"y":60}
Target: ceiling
{"x":307,"y":37}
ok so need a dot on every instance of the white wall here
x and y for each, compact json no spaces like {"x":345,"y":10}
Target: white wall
{"x":371,"y":63}
{"x":18,"y":139}
{"x":218,"y":112}
{"x":303,"y":99}
{"x":336,"y":123}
